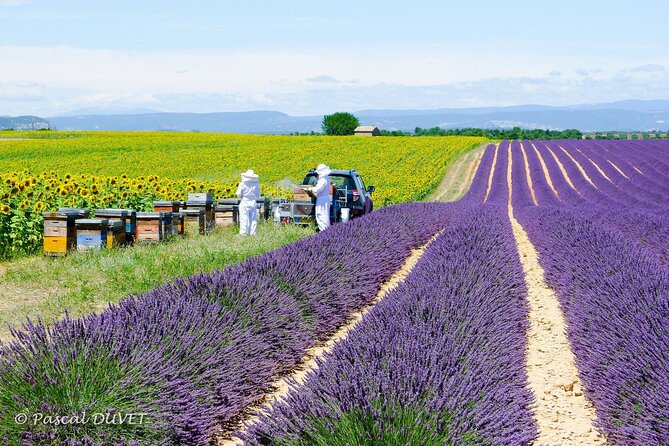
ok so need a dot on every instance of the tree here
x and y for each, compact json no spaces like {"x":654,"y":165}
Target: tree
{"x":340,"y":123}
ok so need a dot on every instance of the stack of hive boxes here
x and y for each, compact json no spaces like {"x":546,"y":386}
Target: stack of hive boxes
{"x":153,"y":226}
{"x":204,"y":202}
{"x":303,"y":203}
{"x":60,"y":233}
{"x":71,"y":228}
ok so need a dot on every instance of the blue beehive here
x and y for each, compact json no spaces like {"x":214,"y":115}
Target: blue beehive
{"x":91,"y":233}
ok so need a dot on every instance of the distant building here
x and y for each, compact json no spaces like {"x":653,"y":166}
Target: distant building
{"x":663,"y":135}
{"x":367,"y":130}
{"x":629,"y":136}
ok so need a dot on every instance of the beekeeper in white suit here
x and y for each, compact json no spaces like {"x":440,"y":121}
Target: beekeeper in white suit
{"x":249,"y":191}
{"x":322,"y":193}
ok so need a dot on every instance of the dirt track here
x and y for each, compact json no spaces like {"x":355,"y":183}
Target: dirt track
{"x":459,"y":176}
{"x":564,"y":415}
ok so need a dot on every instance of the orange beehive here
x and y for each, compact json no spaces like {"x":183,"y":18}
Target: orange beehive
{"x":166,"y":206}
{"x":150,"y":226}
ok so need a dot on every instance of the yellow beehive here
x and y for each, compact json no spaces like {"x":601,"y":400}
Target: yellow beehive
{"x":56,"y":245}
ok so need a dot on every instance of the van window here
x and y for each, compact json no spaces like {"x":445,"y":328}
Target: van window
{"x":343,"y":182}
{"x":362,"y":183}
{"x":310,"y":180}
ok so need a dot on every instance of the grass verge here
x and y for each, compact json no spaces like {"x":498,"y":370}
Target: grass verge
{"x":86,"y":282}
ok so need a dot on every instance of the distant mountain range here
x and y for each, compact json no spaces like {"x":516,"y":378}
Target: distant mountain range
{"x":23,"y":123}
{"x":621,"y":116}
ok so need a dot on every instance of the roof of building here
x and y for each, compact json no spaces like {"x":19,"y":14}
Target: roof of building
{"x":365,"y":128}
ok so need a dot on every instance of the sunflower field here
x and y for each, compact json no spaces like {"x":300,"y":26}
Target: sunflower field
{"x":42,"y":171}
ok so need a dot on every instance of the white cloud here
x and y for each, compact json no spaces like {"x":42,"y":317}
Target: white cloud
{"x":24,"y":92}
{"x":324,"y":79}
{"x":649,"y":68}
{"x":53,"y":80}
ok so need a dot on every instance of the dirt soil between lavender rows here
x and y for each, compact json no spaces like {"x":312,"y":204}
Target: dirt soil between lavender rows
{"x":563,"y":413}
{"x":459,"y":176}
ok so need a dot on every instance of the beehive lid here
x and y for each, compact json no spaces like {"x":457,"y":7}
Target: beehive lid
{"x":97,"y":222}
{"x":50,"y":215}
{"x":166,"y":203}
{"x":113,"y":212}
{"x":224,"y":201}
{"x":198,"y":203}
{"x":150,"y":215}
{"x":193,"y":211}
{"x":115,"y":224}
{"x":203,"y":196}
{"x":75,"y":211}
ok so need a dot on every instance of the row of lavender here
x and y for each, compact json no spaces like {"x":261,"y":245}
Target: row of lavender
{"x":192,"y":355}
{"x":604,"y":248}
{"x":633,"y":203}
{"x":439,"y":361}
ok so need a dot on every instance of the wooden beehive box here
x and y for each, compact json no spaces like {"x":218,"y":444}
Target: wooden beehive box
{"x":194,"y":221}
{"x":150,"y":226}
{"x":127,"y":216}
{"x":227,"y":214}
{"x":115,"y":234}
{"x":60,"y":234}
{"x":91,"y":233}
{"x":300,"y":195}
{"x":166,"y":206}
{"x":304,"y":210}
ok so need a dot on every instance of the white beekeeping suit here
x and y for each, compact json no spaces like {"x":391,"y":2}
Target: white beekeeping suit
{"x":249,"y":192}
{"x":322,"y":193}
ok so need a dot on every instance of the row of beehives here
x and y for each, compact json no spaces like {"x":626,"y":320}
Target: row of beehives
{"x":71,"y":228}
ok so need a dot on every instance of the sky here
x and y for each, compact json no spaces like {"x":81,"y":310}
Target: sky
{"x":308,"y":57}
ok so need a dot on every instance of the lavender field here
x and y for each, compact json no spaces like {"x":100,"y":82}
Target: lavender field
{"x":443,"y":358}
